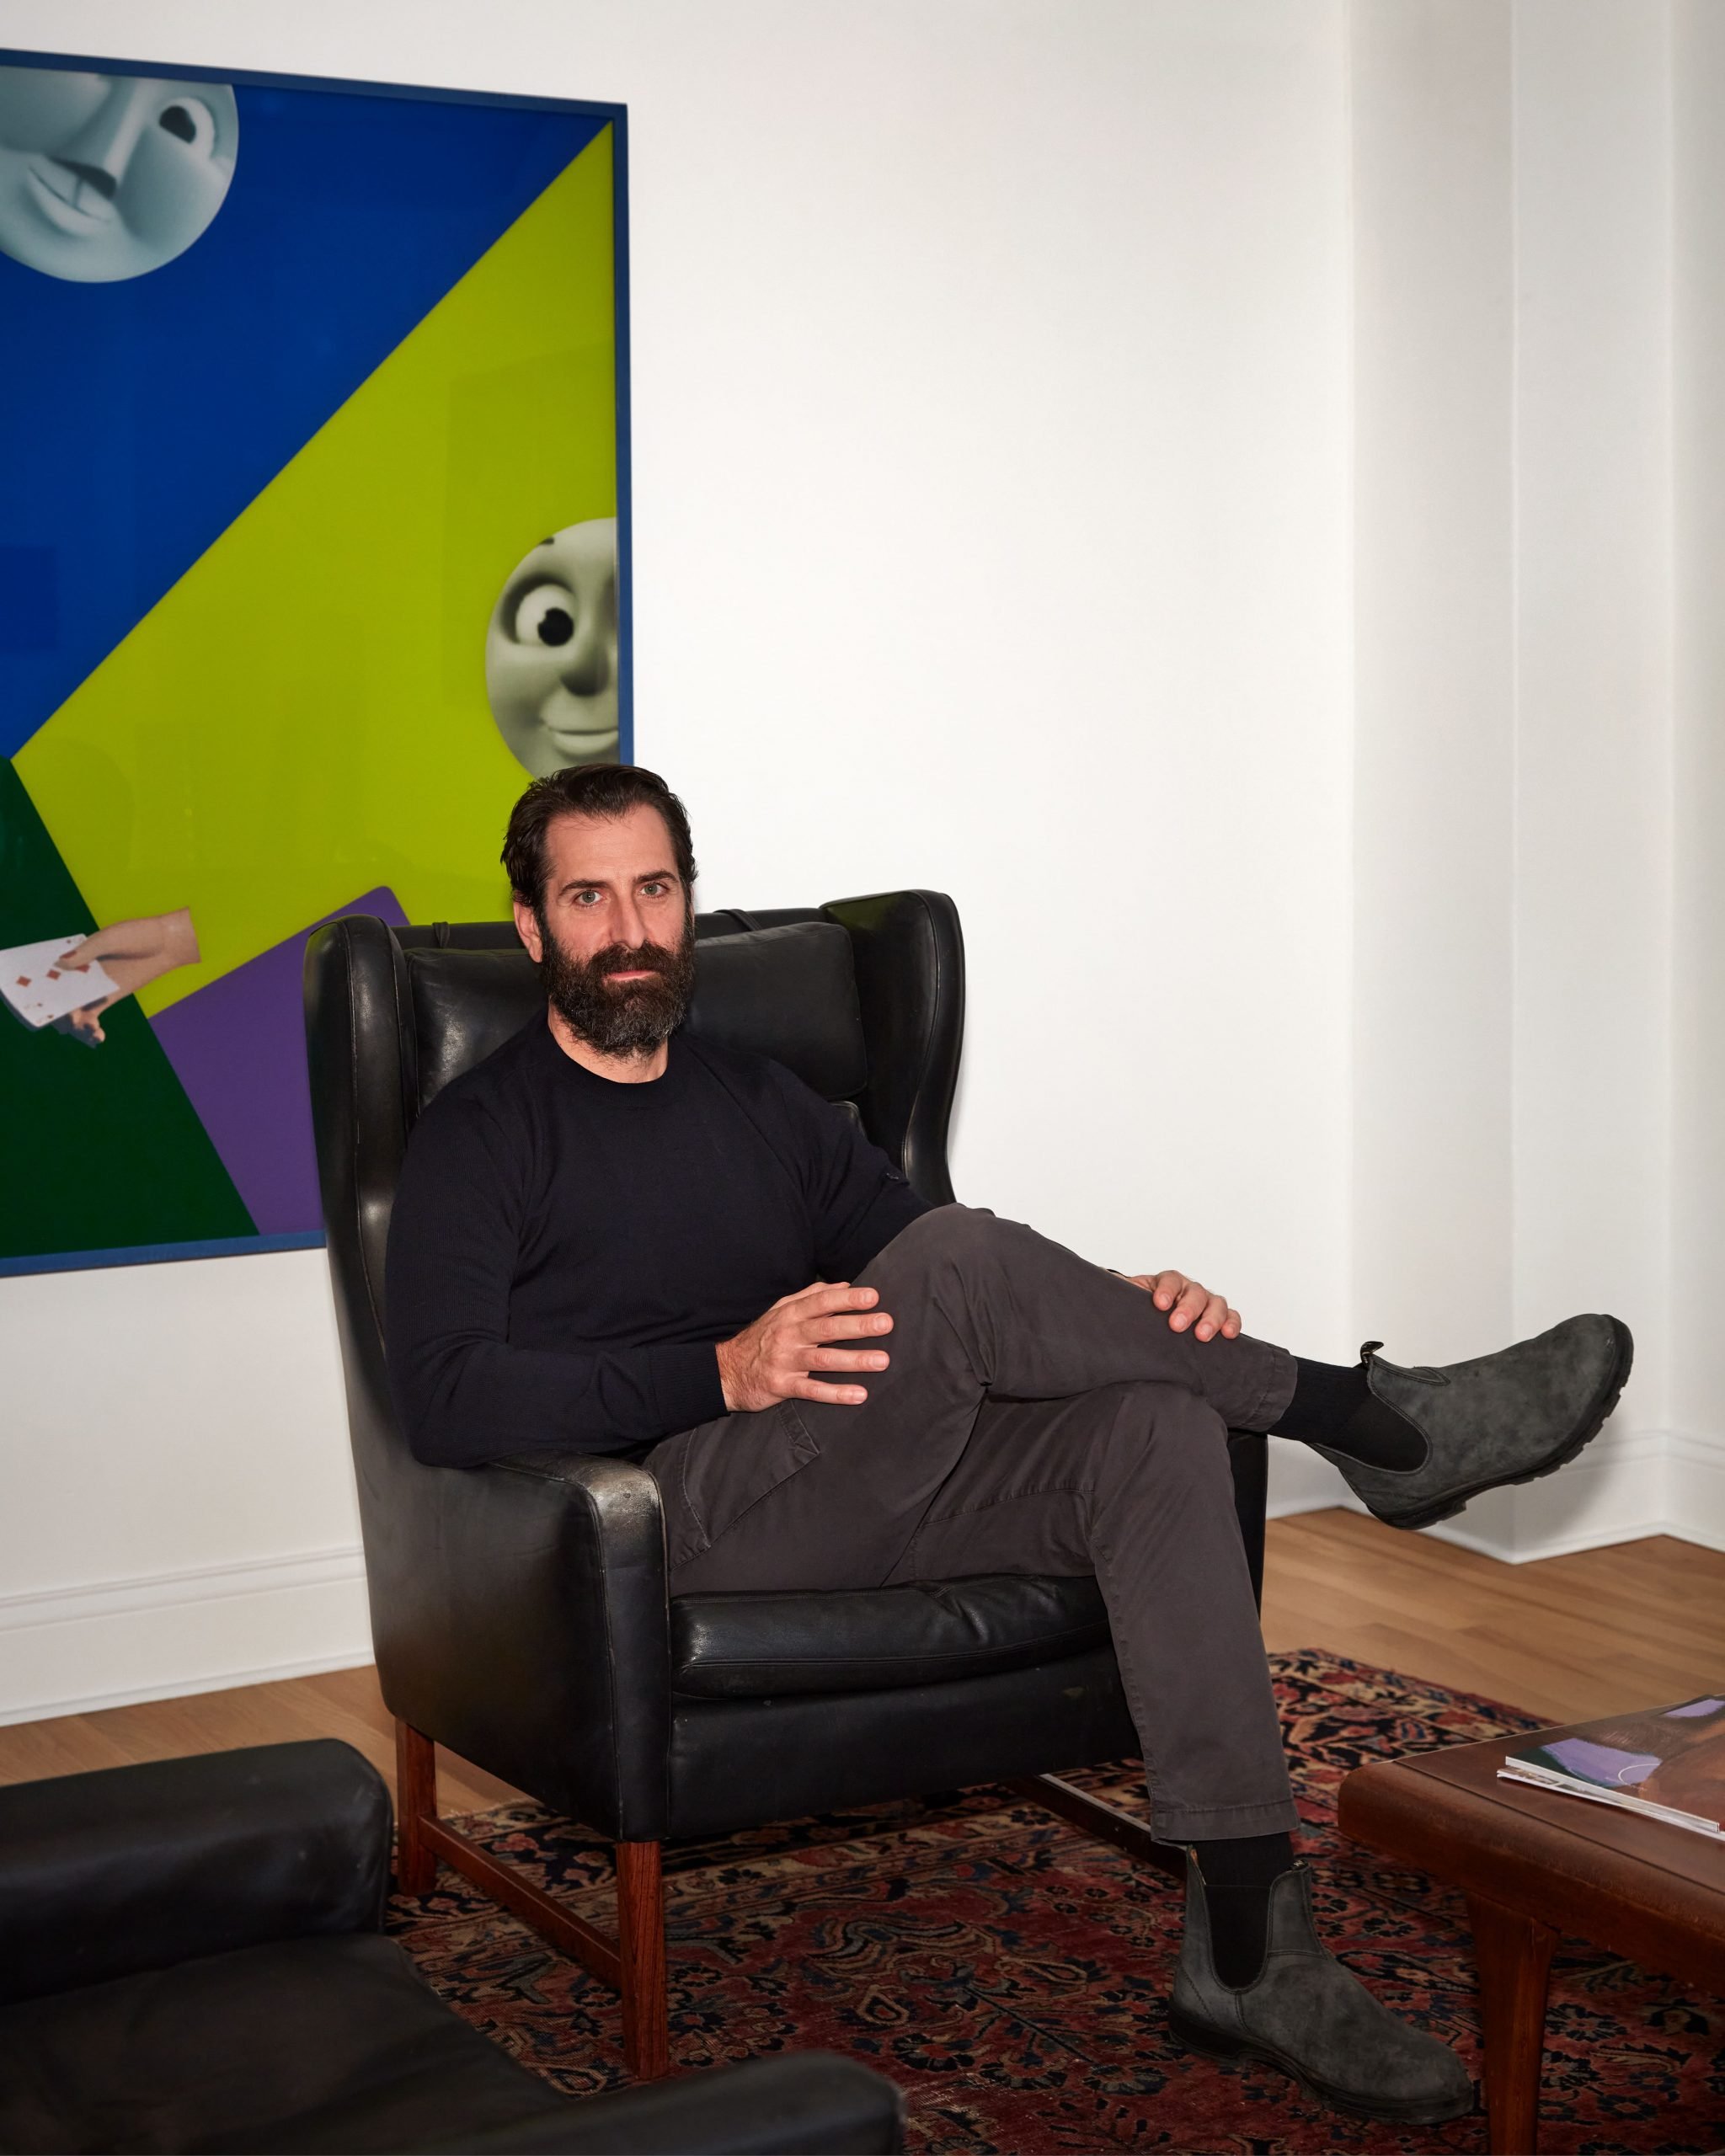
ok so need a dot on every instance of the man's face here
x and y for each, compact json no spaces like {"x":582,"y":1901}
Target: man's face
{"x":612,"y":930}
{"x":551,"y":652}
{"x":103,"y":177}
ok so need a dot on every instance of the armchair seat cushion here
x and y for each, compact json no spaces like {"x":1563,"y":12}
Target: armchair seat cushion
{"x":331,"y":2043}
{"x":763,"y":1647}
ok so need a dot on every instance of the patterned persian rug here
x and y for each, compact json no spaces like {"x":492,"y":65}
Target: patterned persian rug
{"x":1012,"y":1976}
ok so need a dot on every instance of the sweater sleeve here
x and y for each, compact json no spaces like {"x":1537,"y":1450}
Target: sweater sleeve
{"x":858,"y":1200}
{"x":463,"y":1394}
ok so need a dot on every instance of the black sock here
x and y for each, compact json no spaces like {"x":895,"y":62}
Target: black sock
{"x":1238,"y":1878}
{"x":1336,"y":1407}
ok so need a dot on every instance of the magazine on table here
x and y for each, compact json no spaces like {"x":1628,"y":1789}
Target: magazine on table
{"x":1668,"y":1762}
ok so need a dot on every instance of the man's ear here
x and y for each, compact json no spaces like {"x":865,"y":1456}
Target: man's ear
{"x":527,"y":928}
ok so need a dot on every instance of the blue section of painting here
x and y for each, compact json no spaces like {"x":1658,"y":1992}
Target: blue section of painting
{"x":85,"y":1261}
{"x":186,"y":389}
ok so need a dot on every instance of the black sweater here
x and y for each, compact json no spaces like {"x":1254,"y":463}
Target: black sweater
{"x":565,"y":1251}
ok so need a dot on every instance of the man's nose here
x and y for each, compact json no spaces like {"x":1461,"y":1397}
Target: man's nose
{"x":587,"y":666}
{"x":102,"y":148}
{"x":631,"y":928}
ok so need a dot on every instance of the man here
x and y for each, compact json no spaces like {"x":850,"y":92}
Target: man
{"x":613,"y":1238}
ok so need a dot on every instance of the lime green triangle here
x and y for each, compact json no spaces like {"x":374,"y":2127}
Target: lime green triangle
{"x":303,"y":716}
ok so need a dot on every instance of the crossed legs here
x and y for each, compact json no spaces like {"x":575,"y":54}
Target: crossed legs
{"x":1039,"y":1416}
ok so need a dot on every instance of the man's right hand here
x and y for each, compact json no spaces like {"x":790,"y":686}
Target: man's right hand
{"x":773,"y":1359}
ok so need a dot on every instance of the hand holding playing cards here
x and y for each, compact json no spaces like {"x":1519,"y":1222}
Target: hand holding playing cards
{"x":132,"y":953}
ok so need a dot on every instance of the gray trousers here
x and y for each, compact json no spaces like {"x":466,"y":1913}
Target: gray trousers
{"x":1038,"y":1416}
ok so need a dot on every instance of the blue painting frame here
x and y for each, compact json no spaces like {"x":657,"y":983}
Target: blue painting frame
{"x":127,"y":1026}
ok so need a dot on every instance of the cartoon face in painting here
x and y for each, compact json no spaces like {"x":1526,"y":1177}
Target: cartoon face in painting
{"x":106,"y":176}
{"x":551,"y":652}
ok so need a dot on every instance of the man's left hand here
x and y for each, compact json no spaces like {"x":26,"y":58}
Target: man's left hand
{"x":1189,"y":1303}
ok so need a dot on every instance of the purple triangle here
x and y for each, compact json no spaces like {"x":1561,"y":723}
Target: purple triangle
{"x":238,"y":1048}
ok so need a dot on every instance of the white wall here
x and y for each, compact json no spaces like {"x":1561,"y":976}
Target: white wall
{"x":1593,"y":580}
{"x":179,"y":1509}
{"x":1434,"y":678}
{"x":1513,"y":753}
{"x":1194,"y":478}
{"x":1696,"y":1466}
{"x":991,"y":497}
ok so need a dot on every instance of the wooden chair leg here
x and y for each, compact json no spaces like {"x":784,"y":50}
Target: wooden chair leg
{"x":415,"y":1803}
{"x":632,"y":1963}
{"x":640,"y":1913}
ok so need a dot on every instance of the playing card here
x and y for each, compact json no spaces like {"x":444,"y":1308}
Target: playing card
{"x":39,"y":989}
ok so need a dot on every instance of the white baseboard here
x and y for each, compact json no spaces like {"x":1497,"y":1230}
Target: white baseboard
{"x":1694,"y":1480}
{"x":1300,"y":1481}
{"x":1615,"y":1492}
{"x":73,"y":1650}
{"x":1627,"y":1485}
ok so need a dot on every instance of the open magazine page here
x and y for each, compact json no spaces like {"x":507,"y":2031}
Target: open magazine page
{"x":1668,"y":1762}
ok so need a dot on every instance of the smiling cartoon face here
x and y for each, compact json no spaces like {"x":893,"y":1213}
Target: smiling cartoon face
{"x":106,"y":176}
{"x":551,"y":651}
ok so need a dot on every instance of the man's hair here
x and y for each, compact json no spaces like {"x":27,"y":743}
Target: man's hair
{"x":609,"y":790}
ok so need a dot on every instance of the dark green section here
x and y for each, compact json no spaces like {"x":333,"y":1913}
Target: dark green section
{"x":99,"y":1147}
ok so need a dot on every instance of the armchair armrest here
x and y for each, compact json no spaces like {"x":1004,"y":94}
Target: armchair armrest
{"x":801,"y":2104}
{"x":130,"y":1868}
{"x":520,"y":1616}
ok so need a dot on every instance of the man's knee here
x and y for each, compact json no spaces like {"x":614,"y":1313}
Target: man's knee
{"x":948,"y":1235}
{"x":1151,"y":1428}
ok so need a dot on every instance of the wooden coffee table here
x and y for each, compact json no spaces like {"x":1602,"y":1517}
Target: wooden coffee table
{"x":1535,"y":1867}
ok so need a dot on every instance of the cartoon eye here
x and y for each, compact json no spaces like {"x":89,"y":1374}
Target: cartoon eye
{"x":190,"y":121}
{"x":545,"y":615}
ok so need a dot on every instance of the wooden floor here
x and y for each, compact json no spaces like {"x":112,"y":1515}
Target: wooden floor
{"x":1640,"y":1625}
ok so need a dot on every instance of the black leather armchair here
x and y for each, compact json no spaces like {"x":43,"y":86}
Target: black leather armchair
{"x":520,"y":1610}
{"x":190,"y":1958}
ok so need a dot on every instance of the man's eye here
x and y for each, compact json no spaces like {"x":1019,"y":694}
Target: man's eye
{"x":655,"y":890}
{"x":586,"y":898}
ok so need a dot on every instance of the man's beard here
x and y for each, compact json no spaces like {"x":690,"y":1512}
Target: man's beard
{"x":620,"y":1017}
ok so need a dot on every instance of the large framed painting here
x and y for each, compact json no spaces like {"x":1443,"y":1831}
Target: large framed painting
{"x":314,"y":546}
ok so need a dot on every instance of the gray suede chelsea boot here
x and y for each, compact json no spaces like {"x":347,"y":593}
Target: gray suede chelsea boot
{"x":1305,"y":2013}
{"x":1507,"y":1417}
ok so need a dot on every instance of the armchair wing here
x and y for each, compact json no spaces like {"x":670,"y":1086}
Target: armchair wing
{"x":909,"y":960}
